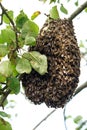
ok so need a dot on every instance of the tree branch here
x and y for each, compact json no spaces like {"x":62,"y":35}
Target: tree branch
{"x":44,"y":119}
{"x":4,"y":11}
{"x":3,"y":98}
{"x":80,"y":88}
{"x":78,"y":11}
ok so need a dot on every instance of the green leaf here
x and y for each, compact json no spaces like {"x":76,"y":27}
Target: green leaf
{"x":5,"y":18}
{"x":3,"y":50}
{"x":51,"y":1}
{"x":77,"y":119}
{"x":30,"y":28}
{"x":6,"y":68}
{"x":4,"y":125}
{"x":54,"y":13}
{"x":14,"y":84}
{"x":7,"y":36}
{"x":35,"y":14}
{"x":21,"y":19}
{"x":81,"y":44}
{"x":68,"y":117}
{"x":86,"y":10}
{"x":1,"y":39}
{"x":23,"y":66}
{"x":3,"y":114}
{"x":37,"y":61}
{"x":30,"y":40}
{"x":76,"y":3}
{"x":63,"y":9}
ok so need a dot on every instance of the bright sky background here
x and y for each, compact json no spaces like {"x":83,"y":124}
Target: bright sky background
{"x":29,"y":114}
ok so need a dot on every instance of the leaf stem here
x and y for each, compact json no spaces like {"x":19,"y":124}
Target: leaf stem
{"x":78,"y":11}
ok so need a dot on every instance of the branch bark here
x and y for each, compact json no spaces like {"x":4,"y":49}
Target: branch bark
{"x":78,"y":11}
{"x":4,"y":96}
{"x":44,"y":119}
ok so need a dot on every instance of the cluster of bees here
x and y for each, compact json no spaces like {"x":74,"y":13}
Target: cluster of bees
{"x":57,"y":41}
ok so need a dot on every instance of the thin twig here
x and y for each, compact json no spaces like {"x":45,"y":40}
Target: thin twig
{"x":45,"y":118}
{"x":78,"y":11}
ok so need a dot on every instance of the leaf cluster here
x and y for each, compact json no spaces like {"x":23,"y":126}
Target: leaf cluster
{"x":19,"y":32}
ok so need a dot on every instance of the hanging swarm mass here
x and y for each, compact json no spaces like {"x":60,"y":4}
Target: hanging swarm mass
{"x":57,"y":41}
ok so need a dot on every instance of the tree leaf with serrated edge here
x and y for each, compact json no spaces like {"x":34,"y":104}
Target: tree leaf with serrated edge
{"x":77,"y":119}
{"x":6,"y":68}
{"x":35,"y":15}
{"x":4,"y":114}
{"x":5,"y":125}
{"x":14,"y":84}
{"x":54,"y":13}
{"x":37,"y":61}
{"x":5,"y":19}
{"x":7,"y":36}
{"x":30,"y":28}
{"x":3,"y":50}
{"x":63,"y":9}
{"x":23,"y":66}
{"x":21,"y":19}
{"x":30,"y":41}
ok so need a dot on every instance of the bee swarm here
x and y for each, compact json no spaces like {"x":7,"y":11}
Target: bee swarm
{"x":57,"y":41}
